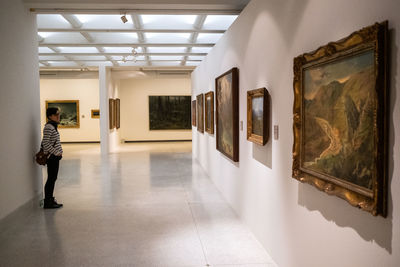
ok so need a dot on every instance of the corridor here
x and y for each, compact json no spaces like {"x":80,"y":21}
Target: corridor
{"x":147,"y":205}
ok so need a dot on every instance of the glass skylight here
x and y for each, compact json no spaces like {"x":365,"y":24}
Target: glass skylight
{"x":166,"y":49}
{"x":168,"y":21}
{"x":219,"y":22}
{"x":167,"y":37}
{"x":106,"y":32}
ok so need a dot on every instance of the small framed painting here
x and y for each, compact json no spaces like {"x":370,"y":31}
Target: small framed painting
{"x":95,"y":113}
{"x":117,"y":113}
{"x":209,"y":112}
{"x":194,"y":113}
{"x":258,"y":116}
{"x":111,"y":111}
{"x":200,"y":113}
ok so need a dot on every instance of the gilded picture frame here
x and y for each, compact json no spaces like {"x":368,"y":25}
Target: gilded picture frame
{"x":194,"y":113}
{"x":69,"y":112}
{"x":209,"y":112}
{"x":95,"y":113}
{"x":227,"y":113}
{"x":200,"y":112}
{"x":117,"y":113}
{"x":340,"y":119}
{"x":258,"y":116}
{"x":111,"y":113}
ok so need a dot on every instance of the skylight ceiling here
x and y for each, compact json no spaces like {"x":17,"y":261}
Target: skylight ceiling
{"x":79,"y":41}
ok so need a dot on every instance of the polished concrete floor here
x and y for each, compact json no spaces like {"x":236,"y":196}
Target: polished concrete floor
{"x":149,"y":204}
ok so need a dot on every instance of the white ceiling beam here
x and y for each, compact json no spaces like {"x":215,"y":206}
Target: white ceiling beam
{"x":122,"y":54}
{"x":77,"y":24}
{"x":47,"y":64}
{"x":198,"y":25}
{"x":97,"y":60}
{"x":138,"y":25}
{"x":131,"y":30}
{"x":136,"y":11}
{"x":127,"y":45}
{"x":74,"y":21}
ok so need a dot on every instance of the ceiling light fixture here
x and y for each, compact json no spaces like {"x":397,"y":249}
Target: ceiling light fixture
{"x":123,"y":18}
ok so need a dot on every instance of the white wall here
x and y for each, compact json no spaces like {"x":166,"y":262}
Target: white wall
{"x":20,"y":176}
{"x":134,"y":95}
{"x":297,"y":224}
{"x":84,"y":90}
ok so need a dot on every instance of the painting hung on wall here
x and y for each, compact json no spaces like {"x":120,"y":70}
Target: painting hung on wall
{"x":111,"y":113}
{"x":200,"y":113}
{"x":258,"y":116}
{"x":69,"y":112}
{"x":194,"y":113}
{"x":170,"y":112}
{"x":117,"y":113}
{"x":209,"y":112}
{"x":95,"y":113}
{"x":227,"y":113}
{"x":340,"y":119}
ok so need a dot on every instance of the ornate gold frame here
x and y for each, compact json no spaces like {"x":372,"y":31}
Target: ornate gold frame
{"x":200,"y":112}
{"x":194,"y":113}
{"x":93,"y":115}
{"x":111,"y":113}
{"x":258,"y":139}
{"x":211,"y":107}
{"x":117,"y":113}
{"x":370,"y":38}
{"x":66,"y":101}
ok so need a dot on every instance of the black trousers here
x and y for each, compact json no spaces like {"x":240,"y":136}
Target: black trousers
{"x":53,"y":164}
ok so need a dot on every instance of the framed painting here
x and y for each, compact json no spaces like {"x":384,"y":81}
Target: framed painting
{"x":209,"y":112}
{"x":227,"y":113}
{"x":340,"y":119}
{"x":194,"y":113}
{"x":95,"y":113}
{"x":258,"y":116}
{"x":111,"y":111}
{"x":170,"y":112}
{"x":69,"y":112}
{"x":117,"y":113}
{"x":200,"y":112}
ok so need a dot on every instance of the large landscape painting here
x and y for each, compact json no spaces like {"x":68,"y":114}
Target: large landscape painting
{"x":170,"y":112}
{"x":339,"y":100}
{"x":69,"y":112}
{"x":340,"y":118}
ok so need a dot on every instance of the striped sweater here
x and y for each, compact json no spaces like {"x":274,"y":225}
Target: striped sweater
{"x":51,"y":140}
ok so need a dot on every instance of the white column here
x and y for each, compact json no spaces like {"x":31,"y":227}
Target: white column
{"x":104,"y":121}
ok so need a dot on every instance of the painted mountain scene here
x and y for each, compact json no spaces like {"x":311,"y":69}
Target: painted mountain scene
{"x":339,"y":99}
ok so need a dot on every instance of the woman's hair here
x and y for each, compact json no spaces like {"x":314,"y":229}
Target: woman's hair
{"x":51,"y":111}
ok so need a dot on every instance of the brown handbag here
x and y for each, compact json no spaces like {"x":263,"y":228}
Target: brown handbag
{"x":41,"y":157}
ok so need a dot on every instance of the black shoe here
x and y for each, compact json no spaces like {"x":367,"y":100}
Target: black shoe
{"x":51,"y":204}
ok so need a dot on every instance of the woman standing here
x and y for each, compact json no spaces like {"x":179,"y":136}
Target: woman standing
{"x":52,"y":146}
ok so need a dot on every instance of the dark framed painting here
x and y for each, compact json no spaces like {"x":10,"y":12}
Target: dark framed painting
{"x":117,"y":113}
{"x":194,"y":113}
{"x":95,"y":113}
{"x":209,"y":112}
{"x":340,"y":118}
{"x":111,"y":113}
{"x":69,"y":112}
{"x":227,"y":113}
{"x":200,"y":112}
{"x":258,"y":116}
{"x":170,"y":112}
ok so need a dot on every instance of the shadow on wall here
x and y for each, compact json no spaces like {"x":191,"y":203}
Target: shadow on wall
{"x":263,"y":154}
{"x":37,"y":186}
{"x":370,"y":228}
